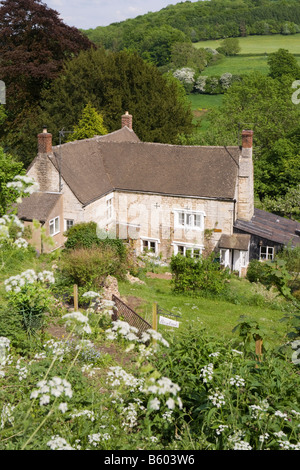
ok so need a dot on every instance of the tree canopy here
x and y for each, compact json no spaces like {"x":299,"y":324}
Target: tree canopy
{"x":112,"y":83}
{"x":265,"y":105}
{"x":282,"y":63}
{"x":34,"y":43}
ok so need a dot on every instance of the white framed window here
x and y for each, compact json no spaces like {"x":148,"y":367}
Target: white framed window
{"x":54,"y":226}
{"x":109,"y":207}
{"x":69,"y":223}
{"x":266,"y":252}
{"x":149,"y":245}
{"x":191,"y":251}
{"x":188,"y":219}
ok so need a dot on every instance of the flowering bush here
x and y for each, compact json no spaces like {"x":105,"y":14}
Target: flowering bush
{"x":28,"y":296}
{"x":239,"y":403}
{"x":186,"y":76}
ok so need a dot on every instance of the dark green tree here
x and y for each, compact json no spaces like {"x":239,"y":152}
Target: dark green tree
{"x":114,"y":83}
{"x":283,"y":63}
{"x":34,"y":43}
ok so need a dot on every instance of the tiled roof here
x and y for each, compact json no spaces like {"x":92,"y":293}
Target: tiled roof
{"x":271,"y":227}
{"x":120,"y":161}
{"x":37,"y":206}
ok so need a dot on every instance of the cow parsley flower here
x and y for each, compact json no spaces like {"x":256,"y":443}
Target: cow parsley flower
{"x":154,"y":404}
{"x":59,"y":443}
{"x":237,"y":380}
{"x":217,"y":399}
{"x":207,"y":372}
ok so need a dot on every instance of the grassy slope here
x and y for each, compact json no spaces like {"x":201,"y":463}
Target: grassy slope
{"x":218,"y":316}
{"x":261,"y":44}
{"x":242,"y":64}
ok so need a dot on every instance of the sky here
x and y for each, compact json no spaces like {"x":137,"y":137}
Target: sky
{"x":87,"y":14}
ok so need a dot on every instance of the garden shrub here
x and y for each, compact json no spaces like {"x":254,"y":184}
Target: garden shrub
{"x":86,"y":235}
{"x":257,"y":271}
{"x":89,"y":267}
{"x":197,"y":276}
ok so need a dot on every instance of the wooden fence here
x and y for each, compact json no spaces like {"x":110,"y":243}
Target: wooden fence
{"x":130,"y":316}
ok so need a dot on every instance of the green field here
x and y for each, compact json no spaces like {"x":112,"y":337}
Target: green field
{"x":261,"y":44}
{"x":257,"y":49}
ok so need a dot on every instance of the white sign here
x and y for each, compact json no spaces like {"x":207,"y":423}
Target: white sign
{"x":168,"y":322}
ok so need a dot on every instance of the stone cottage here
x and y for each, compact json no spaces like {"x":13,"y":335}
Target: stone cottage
{"x":165,"y":198}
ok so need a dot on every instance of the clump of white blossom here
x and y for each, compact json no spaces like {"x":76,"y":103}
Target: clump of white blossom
{"x":207,"y":372}
{"x":226,"y":80}
{"x":55,"y":387}
{"x":15,"y":283}
{"x":217,"y":398}
{"x":4,"y":357}
{"x":25,"y":185}
{"x":12,"y":221}
{"x":237,"y":381}
{"x":117,"y":377}
{"x":7,"y":415}
{"x":59,"y":443}
{"x":185,"y":75}
{"x":200,"y":83}
{"x":80,"y":319}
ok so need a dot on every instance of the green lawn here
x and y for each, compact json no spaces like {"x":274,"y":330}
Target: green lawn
{"x":217,"y":316}
{"x":253,"y":46}
{"x":261,"y":44}
{"x":238,"y":65}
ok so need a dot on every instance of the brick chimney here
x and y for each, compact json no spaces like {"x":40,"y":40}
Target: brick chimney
{"x":245,"y":200}
{"x":44,"y":142}
{"x":127,"y":120}
{"x":42,"y":170}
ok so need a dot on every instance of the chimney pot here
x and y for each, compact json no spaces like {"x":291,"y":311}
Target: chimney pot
{"x":247,"y":138}
{"x":127,"y":120}
{"x":44,"y":141}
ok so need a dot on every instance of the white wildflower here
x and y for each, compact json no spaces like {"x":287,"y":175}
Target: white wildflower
{"x":207,"y":372}
{"x":59,"y":443}
{"x":237,"y":380}
{"x":217,"y":399}
{"x":154,"y":404}
{"x":63,"y":407}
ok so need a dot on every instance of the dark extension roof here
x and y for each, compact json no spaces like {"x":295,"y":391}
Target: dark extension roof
{"x":37,"y":206}
{"x":236,"y":241}
{"x":271,"y":227}
{"x":120,"y":161}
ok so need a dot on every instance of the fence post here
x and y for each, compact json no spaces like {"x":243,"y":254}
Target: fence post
{"x":154,"y":316}
{"x":75,"y":297}
{"x":258,"y":347}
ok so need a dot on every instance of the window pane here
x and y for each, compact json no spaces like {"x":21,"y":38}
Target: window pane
{"x":196,"y":253}
{"x":152,"y":247}
{"x":180,"y":250}
{"x":181,"y":218}
{"x":56,"y":224}
{"x":51,"y":224}
{"x":197,"y":220}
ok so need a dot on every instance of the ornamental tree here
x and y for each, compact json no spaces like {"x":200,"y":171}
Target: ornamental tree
{"x":90,"y":124}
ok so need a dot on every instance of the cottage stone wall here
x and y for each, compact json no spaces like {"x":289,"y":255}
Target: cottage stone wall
{"x":149,"y":216}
